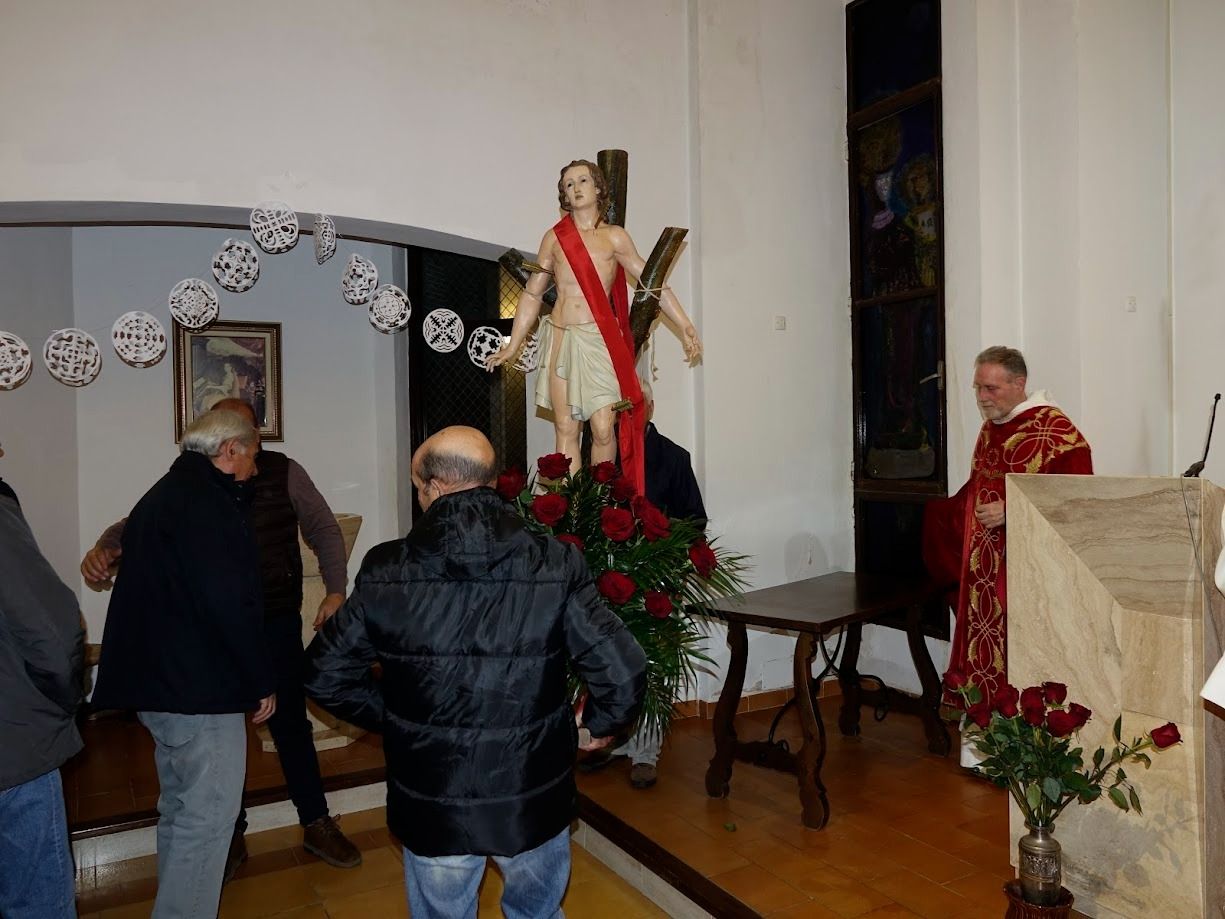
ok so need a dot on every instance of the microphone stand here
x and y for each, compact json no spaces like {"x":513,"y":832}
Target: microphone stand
{"x":1197,"y":467}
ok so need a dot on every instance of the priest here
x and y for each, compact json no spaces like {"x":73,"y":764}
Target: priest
{"x":964,"y":542}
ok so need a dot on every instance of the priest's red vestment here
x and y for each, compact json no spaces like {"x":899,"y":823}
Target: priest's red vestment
{"x":957,"y":548}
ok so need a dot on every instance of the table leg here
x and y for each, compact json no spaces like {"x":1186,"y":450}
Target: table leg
{"x":929,"y":702}
{"x":812,"y":754}
{"x":719,"y":772}
{"x":848,"y":678}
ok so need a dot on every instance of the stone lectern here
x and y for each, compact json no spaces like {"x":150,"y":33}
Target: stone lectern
{"x":329,"y":731}
{"x":1110,"y":591}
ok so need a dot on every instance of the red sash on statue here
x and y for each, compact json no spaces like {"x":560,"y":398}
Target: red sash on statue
{"x":613,"y":321}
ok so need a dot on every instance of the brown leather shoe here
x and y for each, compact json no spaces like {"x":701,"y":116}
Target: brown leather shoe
{"x":323,"y":838}
{"x":643,"y":775}
{"x":235,"y":857}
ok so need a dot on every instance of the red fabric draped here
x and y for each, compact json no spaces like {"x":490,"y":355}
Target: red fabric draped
{"x":613,"y":321}
{"x":1040,"y":440}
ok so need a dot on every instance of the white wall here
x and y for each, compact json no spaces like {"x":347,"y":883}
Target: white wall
{"x":38,"y":419}
{"x":770,"y":191}
{"x":337,"y":367}
{"x":1198,"y":193}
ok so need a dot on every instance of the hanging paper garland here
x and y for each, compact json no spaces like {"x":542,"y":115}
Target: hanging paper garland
{"x":274,"y":226}
{"x":443,"y":330}
{"x":236,"y":266}
{"x":529,"y":355}
{"x":139,"y":339}
{"x":390,"y":309}
{"x":325,"y":238}
{"x":193,"y":304}
{"x":359,"y":280}
{"x":72,"y":356}
{"x":484,"y":342}
{"x":16,"y":362}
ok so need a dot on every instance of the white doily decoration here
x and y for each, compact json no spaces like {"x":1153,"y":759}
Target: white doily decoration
{"x":325,"y":238}
{"x":359,"y":280}
{"x":390,"y":309}
{"x":529,"y":355}
{"x":484,"y":342}
{"x":193,"y":303}
{"x":72,"y":356}
{"x":274,"y":226}
{"x":139,"y":339}
{"x":236,"y":266}
{"x":443,"y":330}
{"x":15,"y":361}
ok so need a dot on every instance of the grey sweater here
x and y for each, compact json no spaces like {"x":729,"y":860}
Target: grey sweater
{"x":42,"y":654}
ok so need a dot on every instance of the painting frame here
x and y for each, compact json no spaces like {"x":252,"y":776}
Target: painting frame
{"x":229,"y":358}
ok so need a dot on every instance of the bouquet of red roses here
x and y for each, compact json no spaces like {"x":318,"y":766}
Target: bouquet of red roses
{"x":1026,"y":739}
{"x":658,"y":574}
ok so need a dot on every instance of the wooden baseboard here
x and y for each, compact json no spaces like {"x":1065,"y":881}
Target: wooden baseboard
{"x":751,"y":701}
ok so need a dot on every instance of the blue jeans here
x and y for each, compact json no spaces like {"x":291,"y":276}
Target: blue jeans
{"x":446,"y":887}
{"x":36,"y":874}
{"x":201,"y":764}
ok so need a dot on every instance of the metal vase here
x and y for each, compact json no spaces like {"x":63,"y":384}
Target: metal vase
{"x":1039,"y":866}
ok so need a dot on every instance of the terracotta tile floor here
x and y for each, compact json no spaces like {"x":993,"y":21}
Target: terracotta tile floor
{"x":910,"y":834}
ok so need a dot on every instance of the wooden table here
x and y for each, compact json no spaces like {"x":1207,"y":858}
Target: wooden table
{"x":815,"y":608}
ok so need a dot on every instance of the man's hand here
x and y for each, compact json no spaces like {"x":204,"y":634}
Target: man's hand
{"x":596,"y":743}
{"x":97,"y":564}
{"x":991,"y":514}
{"x":267,"y":708}
{"x":327,"y":609}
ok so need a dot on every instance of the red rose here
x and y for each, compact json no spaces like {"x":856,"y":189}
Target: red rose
{"x":954,"y":680}
{"x":623,"y":489}
{"x":604,"y":472}
{"x":616,"y":586}
{"x":1080,"y":713}
{"x":617,"y":523}
{"x":1006,"y":700}
{"x":1060,"y":723}
{"x":550,"y":508}
{"x":703,"y":558}
{"x":658,"y":604}
{"x":1165,"y":736}
{"x":1033,"y":716}
{"x":573,"y":540}
{"x":554,"y":466}
{"x":1054,"y":693}
{"x":1032,"y":698}
{"x":980,"y":713}
{"x":655,"y":524}
{"x":511,"y":483}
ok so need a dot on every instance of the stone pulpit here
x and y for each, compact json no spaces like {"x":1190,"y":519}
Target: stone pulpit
{"x":1110,"y":591}
{"x":329,"y":732}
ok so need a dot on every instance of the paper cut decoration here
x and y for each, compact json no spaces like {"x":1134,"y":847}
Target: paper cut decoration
{"x":193,"y":304}
{"x":139,"y":339}
{"x":359,"y":280}
{"x":529,"y":354}
{"x":390,"y":309}
{"x":72,"y":356}
{"x":274,"y":226}
{"x":15,"y":361}
{"x":325,"y":238}
{"x":484,"y":341}
{"x":443,"y":330}
{"x":236,"y":266}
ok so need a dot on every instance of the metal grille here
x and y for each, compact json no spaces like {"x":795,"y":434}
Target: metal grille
{"x":449,"y":389}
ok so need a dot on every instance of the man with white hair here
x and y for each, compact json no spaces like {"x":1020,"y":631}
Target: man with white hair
{"x":184,"y":647}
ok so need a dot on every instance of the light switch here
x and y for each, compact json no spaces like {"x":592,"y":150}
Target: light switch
{"x":780,"y":323}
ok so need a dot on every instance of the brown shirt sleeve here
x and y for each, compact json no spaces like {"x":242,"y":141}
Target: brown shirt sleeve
{"x":319,"y":529}
{"x":112,"y":534}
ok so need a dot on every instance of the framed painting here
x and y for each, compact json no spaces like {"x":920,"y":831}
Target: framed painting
{"x":229,"y":360}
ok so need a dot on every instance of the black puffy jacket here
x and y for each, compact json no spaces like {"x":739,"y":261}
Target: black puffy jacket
{"x":473,"y":619}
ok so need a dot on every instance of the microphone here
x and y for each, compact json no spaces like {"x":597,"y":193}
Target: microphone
{"x":1196,"y":468}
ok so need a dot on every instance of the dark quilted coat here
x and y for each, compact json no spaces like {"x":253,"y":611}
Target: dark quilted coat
{"x":473,"y":619}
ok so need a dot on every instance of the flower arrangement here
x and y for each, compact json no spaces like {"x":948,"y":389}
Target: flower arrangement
{"x":658,"y":574}
{"x":1026,"y":739}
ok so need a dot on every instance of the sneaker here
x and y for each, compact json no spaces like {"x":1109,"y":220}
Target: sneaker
{"x":235,"y":857}
{"x":324,"y":839}
{"x":643,"y":775}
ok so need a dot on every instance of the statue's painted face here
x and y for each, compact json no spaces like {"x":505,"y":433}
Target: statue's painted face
{"x":997,"y":391}
{"x":580,"y":187}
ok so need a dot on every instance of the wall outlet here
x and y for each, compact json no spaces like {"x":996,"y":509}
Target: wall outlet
{"x":780,"y":323}
{"x":1131,"y":304}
